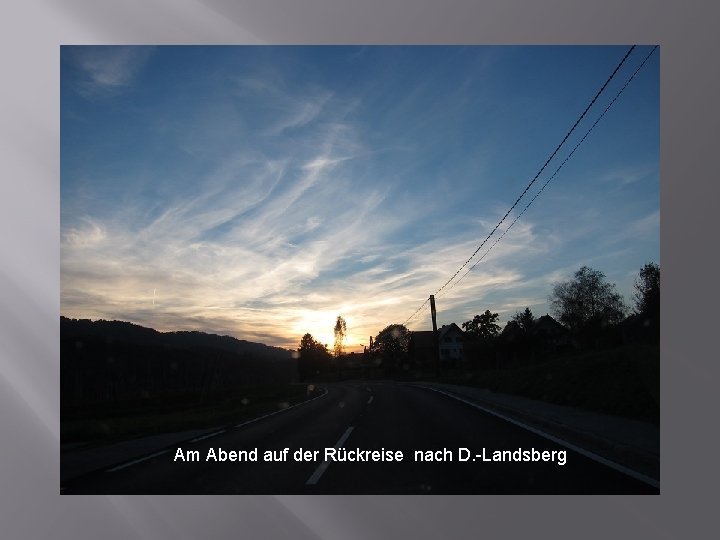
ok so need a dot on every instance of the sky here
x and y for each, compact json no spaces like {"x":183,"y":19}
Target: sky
{"x":261,"y":191}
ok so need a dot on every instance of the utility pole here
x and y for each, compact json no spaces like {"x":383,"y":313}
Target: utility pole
{"x":370,"y":360}
{"x":436,"y":341}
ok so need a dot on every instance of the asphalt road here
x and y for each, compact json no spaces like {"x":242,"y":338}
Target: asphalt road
{"x":383,"y":417}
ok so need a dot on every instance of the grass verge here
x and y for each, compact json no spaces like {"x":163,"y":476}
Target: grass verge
{"x":111,"y":422}
{"x":623,"y":382}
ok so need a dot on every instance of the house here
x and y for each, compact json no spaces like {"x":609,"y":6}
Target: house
{"x":451,"y":340}
{"x":545,"y":339}
{"x":551,"y":332}
{"x":512,"y":332}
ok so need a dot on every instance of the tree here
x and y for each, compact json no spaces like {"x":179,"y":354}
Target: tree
{"x":483,"y":326}
{"x":525,"y":320}
{"x":587,"y":301}
{"x":308,"y":344}
{"x":391,"y":345}
{"x":647,"y":292}
{"x":340,"y":332}
{"x":314,"y":358}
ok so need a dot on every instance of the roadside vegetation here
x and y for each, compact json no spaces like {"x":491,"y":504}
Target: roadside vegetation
{"x":120,"y":420}
{"x":623,"y":381}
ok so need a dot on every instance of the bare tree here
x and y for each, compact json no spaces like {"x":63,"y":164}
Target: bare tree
{"x":340,"y":333}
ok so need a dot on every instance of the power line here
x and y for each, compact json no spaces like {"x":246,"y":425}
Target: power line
{"x":416,"y":312}
{"x":558,"y":169}
{"x":557,"y":149}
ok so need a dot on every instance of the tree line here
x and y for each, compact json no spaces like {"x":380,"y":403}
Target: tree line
{"x":588,"y":313}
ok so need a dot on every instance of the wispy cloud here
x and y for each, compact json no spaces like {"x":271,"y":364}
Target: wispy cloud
{"x":300,"y":113}
{"x":644,"y":229}
{"x":88,"y":234}
{"x":213,"y":256}
{"x":278,"y":268}
{"x":646,"y":226}
{"x":627,"y":175}
{"x":108,"y":68}
{"x":283,"y":204}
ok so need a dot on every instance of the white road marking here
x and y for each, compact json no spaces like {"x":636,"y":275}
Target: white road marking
{"x":166,"y":450}
{"x":325,"y":464}
{"x":129,"y":463}
{"x":370,"y":400}
{"x":587,"y":453}
{"x":368,"y":389}
{"x":282,"y":410}
{"x":196,"y":439}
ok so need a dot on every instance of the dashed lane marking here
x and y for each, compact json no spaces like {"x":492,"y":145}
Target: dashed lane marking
{"x":315,"y":477}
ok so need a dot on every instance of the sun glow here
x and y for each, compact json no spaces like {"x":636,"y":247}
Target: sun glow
{"x":320,"y":325}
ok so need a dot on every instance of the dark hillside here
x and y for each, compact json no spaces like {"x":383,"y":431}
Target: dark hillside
{"x":118,"y":365}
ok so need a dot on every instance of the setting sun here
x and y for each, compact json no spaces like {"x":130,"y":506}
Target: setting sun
{"x":320,"y":325}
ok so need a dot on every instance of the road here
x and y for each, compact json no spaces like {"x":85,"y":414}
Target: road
{"x":385,"y":417}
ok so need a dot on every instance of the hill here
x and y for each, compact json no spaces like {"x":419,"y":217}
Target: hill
{"x":116,"y":361}
{"x":134,"y":333}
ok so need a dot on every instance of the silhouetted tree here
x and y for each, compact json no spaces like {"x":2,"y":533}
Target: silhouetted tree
{"x":483,"y":326}
{"x":647,"y":291}
{"x":314,"y":358}
{"x":391,"y":346}
{"x":587,"y":301}
{"x":340,"y":332}
{"x":524,"y":319}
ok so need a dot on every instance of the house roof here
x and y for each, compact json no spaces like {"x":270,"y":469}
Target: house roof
{"x":512,"y":329}
{"x":451,"y":328}
{"x":424,"y":338}
{"x":547,"y":325}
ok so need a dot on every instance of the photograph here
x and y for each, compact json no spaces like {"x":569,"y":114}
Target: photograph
{"x":359,"y":269}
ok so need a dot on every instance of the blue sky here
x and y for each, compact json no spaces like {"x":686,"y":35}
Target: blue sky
{"x":261,"y":191}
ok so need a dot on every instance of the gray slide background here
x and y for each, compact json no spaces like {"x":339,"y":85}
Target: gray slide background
{"x":31,"y":32}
